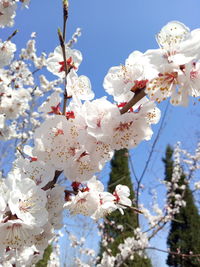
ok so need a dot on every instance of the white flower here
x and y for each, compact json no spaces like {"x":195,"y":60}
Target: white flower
{"x":106,"y":205}
{"x":164,"y":85}
{"x":133,"y":245}
{"x":27,"y":201}
{"x":2,"y":121}
{"x":7,"y":50}
{"x":121,"y":194}
{"x":95,"y":185}
{"x":17,"y":234}
{"x":81,"y":167}
{"x":55,"y":203}
{"x":121,"y":81}
{"x":107,"y":260}
{"x":42,"y":239}
{"x":129,"y":130}
{"x":178,"y":43}
{"x":7,"y":13}
{"x":38,"y":171}
{"x":177,"y":73}
{"x":92,"y":200}
{"x":190,"y":81}
{"x":85,"y":203}
{"x":149,"y":111}
{"x":21,"y":74}
{"x":52,"y":104}
{"x":99,"y":115}
{"x":79,"y":86}
{"x":55,"y":62}
{"x":52,"y":144}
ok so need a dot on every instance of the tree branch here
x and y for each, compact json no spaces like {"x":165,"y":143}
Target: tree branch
{"x":136,"y":98}
{"x":51,"y":184}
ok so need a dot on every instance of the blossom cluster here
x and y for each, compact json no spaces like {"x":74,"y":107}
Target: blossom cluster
{"x":28,"y":217}
{"x":157,"y":220}
{"x":170,"y":71}
{"x":91,"y":200}
{"x":80,"y":139}
{"x":128,"y":248}
{"x":8,"y":11}
{"x":18,"y":93}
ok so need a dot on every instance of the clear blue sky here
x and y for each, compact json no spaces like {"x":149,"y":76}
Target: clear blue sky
{"x":111,"y":30}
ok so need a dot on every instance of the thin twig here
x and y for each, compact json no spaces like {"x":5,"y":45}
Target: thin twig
{"x":19,"y":150}
{"x":118,"y":180}
{"x":132,"y":168}
{"x":62,"y":37}
{"x":183,"y":255}
{"x":65,"y":17}
{"x":151,"y":152}
{"x":12,"y":35}
{"x":132,"y":208}
{"x":175,"y":253}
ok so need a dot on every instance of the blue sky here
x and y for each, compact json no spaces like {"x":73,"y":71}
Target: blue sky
{"x":111,"y":30}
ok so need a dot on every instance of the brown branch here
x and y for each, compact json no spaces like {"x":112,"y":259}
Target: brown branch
{"x":66,"y":69}
{"x":62,"y":37}
{"x":117,"y":182}
{"x":71,"y":192}
{"x":65,"y":16}
{"x":51,"y":184}
{"x":19,"y":150}
{"x":136,"y":98}
{"x":156,"y":224}
{"x":175,"y":253}
{"x":132,"y":208}
{"x":36,"y":70}
{"x":121,"y":261}
{"x":139,"y":181}
{"x":12,"y":35}
{"x":157,"y":230}
{"x":62,"y":44}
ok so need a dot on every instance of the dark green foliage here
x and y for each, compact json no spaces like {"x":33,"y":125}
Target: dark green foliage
{"x":46,"y":256}
{"x":184,"y":234}
{"x":120,"y":175}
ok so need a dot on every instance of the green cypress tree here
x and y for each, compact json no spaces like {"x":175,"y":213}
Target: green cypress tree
{"x":120,"y":174}
{"x":184,"y":234}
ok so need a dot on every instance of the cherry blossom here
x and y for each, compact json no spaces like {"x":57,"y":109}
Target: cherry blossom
{"x":122,"y":81}
{"x":52,"y":104}
{"x":27,"y":202}
{"x":7,"y":13}
{"x":58,"y":146}
{"x":55,"y":62}
{"x":35,"y":170}
{"x":121,"y":194}
{"x":79,"y":87}
{"x":16,"y":234}
{"x":55,"y":203}
{"x":174,"y":61}
{"x":7,"y":50}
